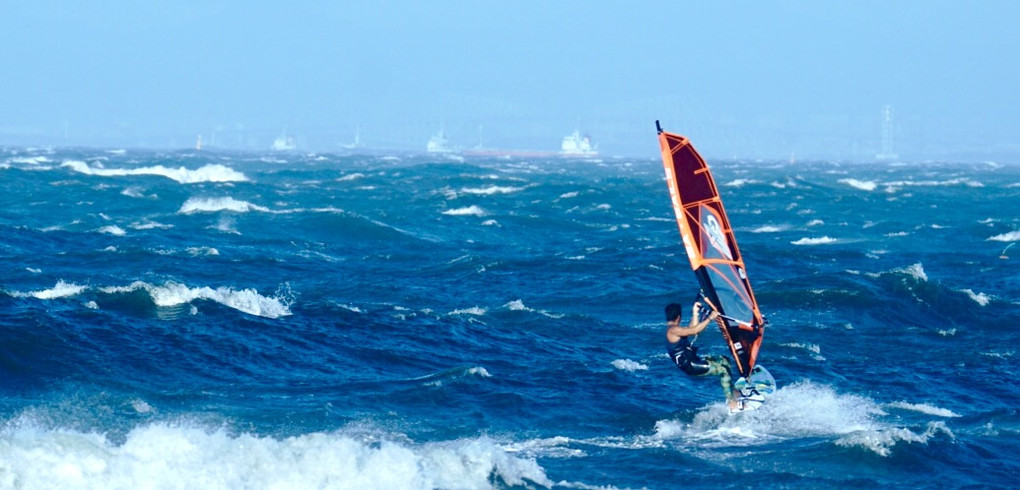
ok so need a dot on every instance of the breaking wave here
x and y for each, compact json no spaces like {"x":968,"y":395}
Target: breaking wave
{"x":207,"y":173}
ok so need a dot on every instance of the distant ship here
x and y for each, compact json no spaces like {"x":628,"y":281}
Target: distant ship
{"x":887,"y":152}
{"x":576,"y":145}
{"x":284,"y":143}
{"x":437,"y":144}
{"x":357,"y":139}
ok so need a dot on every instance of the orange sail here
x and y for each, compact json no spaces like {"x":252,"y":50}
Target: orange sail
{"x":712,"y":248}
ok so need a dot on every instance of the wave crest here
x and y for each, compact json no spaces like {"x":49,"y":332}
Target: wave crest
{"x":207,"y":173}
{"x":169,"y":455}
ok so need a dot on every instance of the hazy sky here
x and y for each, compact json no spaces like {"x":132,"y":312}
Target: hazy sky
{"x":747,"y":79}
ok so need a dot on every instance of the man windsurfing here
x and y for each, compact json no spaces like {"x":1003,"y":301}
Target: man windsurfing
{"x":685,"y":355}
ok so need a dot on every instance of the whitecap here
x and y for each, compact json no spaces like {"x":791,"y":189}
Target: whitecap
{"x":182,"y":455}
{"x":212,"y":205}
{"x":979,"y":298}
{"x":518,"y":305}
{"x":814,"y":241}
{"x":60,"y":290}
{"x":475,"y":310}
{"x":244,"y":300}
{"x":492,"y":189}
{"x":112,"y":230}
{"x":864,"y":185}
{"x":350,"y":177}
{"x":914,"y":270}
{"x":468,"y":211}
{"x":881,"y":442}
{"x":740,"y":182}
{"x":208,"y":173}
{"x":813,"y":348}
{"x":149,"y":225}
{"x":924,"y":408}
{"x":1013,"y":236}
{"x":629,"y":365}
{"x":768,"y":229}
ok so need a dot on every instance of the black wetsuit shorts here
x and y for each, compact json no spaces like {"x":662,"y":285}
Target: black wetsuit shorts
{"x":686,"y":358}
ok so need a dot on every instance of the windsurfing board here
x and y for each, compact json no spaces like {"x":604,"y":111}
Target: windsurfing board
{"x":760,"y":380}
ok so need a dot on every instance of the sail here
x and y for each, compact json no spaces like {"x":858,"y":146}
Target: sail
{"x":712,"y":248}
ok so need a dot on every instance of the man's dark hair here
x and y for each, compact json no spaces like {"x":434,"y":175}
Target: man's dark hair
{"x":673,"y":312}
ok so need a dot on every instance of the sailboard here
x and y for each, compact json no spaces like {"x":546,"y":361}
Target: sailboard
{"x":712,"y":248}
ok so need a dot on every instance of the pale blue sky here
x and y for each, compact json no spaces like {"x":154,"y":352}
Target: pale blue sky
{"x":744,"y":79}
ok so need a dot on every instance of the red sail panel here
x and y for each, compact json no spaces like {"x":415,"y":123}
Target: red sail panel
{"x":712,"y":248}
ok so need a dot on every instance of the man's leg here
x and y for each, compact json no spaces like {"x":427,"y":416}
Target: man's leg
{"x":720,"y":366}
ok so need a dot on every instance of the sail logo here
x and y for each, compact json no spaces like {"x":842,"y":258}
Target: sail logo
{"x":715,"y":235}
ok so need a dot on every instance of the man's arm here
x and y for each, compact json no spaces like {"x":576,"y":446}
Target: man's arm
{"x":697,"y":326}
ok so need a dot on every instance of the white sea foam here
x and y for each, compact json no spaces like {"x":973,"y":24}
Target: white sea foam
{"x":864,"y":185}
{"x":816,"y":222}
{"x":979,"y":298}
{"x":768,"y":229}
{"x":934,"y":183}
{"x":518,"y":305}
{"x":799,"y":410}
{"x":351,"y":177}
{"x":569,"y":195}
{"x":814,"y":241}
{"x":740,"y":182}
{"x":468,"y":211}
{"x":490,"y":190}
{"x":629,"y":365}
{"x":474,"y":310}
{"x":60,"y":290}
{"x":245,"y":300}
{"x":216,"y":204}
{"x":135,"y":192}
{"x":914,"y":270}
{"x":479,"y":371}
{"x":150,"y":225}
{"x":178,"y":456}
{"x":802,"y":410}
{"x":207,"y":173}
{"x":30,"y":160}
{"x":923,"y":408}
{"x":813,"y":348}
{"x":881,"y":442}
{"x":112,"y":230}
{"x":1013,"y":236}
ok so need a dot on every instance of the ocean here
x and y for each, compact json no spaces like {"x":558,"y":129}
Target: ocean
{"x":214,"y":319}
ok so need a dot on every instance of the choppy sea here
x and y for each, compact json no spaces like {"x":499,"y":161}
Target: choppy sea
{"x":216,"y":319}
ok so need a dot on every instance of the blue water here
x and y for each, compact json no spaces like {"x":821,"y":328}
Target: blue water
{"x":238,"y":320}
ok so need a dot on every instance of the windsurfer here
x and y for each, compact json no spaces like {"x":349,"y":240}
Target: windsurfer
{"x":685,"y":354}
